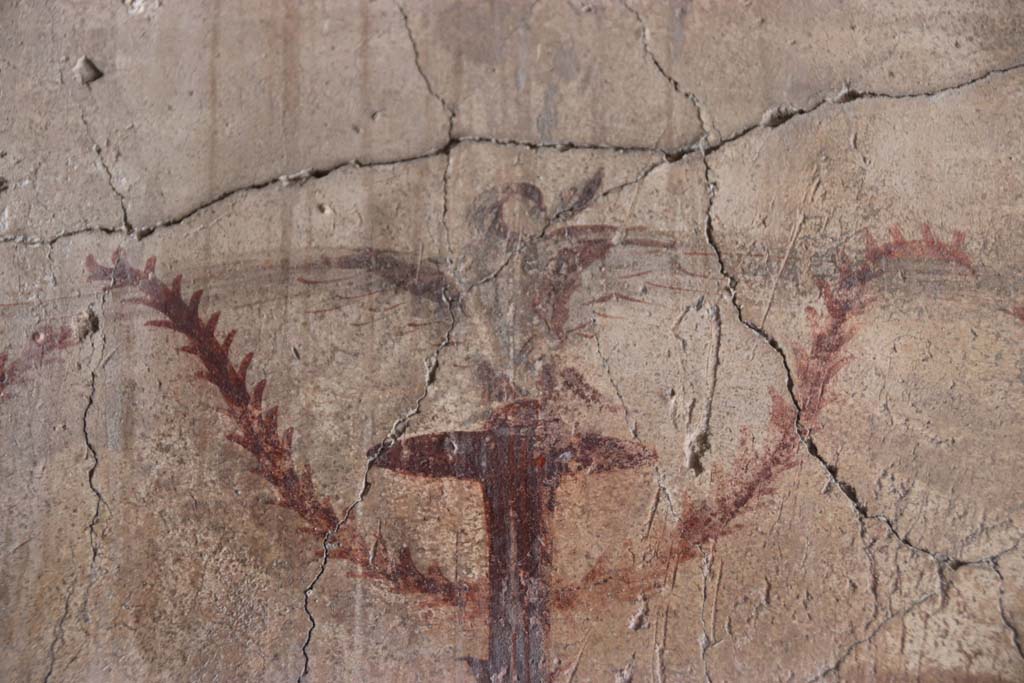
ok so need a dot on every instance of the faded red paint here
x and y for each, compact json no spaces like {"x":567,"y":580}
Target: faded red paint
{"x":816,"y":367}
{"x":551,"y":291}
{"x":555,"y":288}
{"x":847,"y":297}
{"x":519,"y":456}
{"x":488,"y":210}
{"x":747,"y":480}
{"x":573,"y":380}
{"x":42,"y":343}
{"x":1017,"y":312}
{"x":495,"y":386}
{"x":256,"y":426}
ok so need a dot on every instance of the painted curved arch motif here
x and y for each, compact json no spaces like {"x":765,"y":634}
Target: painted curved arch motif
{"x":524,"y":449}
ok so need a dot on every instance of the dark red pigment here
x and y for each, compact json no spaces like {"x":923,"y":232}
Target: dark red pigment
{"x":520,"y":455}
{"x":518,"y":458}
{"x":256,"y":430}
{"x":256,"y":427}
{"x":551,"y":290}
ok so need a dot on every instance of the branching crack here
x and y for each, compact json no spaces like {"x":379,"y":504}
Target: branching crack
{"x":126,"y":226}
{"x":834,"y":667}
{"x":58,"y":635}
{"x":93,"y":455}
{"x":943,"y":561}
{"x":431,"y":365}
{"x":710,"y":135}
{"x":304,"y":175}
{"x":710,"y":143}
{"x":419,"y":67}
{"x":287,"y":179}
{"x":1015,"y":632}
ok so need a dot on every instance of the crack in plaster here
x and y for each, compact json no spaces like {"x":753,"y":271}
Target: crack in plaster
{"x":626,"y":414}
{"x":706,"y":147}
{"x":305,"y":598}
{"x":58,"y":636}
{"x":942,"y":560}
{"x":94,"y":544}
{"x":1015,"y":632}
{"x":431,"y":364}
{"x":94,"y":462}
{"x":419,"y":67}
{"x":710,"y":134}
{"x":784,"y":114}
{"x":834,"y":667}
{"x":126,"y":225}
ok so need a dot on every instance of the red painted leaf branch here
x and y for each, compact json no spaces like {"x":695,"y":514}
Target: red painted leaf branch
{"x":817,"y":365}
{"x":256,"y":430}
{"x":701,"y":522}
{"x":846,"y":298}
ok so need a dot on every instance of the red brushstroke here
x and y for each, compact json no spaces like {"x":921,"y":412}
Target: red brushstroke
{"x":846,"y":298}
{"x":518,"y":458}
{"x":754,"y":472}
{"x":521,"y":453}
{"x":256,"y":431}
{"x":816,"y":367}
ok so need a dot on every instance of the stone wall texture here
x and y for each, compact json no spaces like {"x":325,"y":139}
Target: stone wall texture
{"x":512,"y":342}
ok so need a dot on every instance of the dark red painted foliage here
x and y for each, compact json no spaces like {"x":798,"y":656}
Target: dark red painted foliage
{"x":519,"y":456}
{"x":256,"y":430}
{"x":817,"y":365}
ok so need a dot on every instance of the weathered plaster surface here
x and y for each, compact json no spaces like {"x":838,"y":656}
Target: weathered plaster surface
{"x":589,"y":341}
